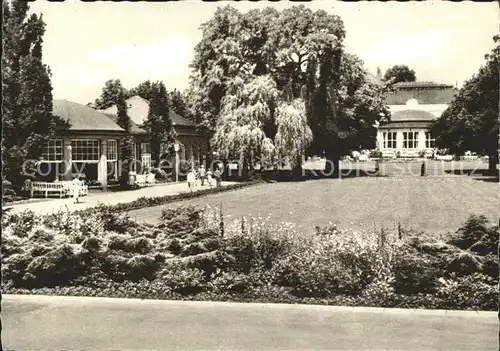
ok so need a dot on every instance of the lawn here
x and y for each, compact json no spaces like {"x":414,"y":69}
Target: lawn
{"x":434,"y":204}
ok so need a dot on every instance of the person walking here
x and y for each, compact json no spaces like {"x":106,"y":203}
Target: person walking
{"x":191,"y":179}
{"x":423,"y":171}
{"x":202,"y":174}
{"x":209,"y":178}
{"x":75,"y":189}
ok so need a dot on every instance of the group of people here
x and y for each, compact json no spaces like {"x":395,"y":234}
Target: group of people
{"x":203,"y":175}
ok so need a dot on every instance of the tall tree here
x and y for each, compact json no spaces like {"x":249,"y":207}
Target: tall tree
{"x":158,"y":122}
{"x":28,"y":122}
{"x":177,"y":102}
{"x":296,"y":50}
{"x":471,"y":120}
{"x":127,"y":143}
{"x":400,"y":73}
{"x":239,"y":133}
{"x":110,"y":94}
{"x":144,"y":90}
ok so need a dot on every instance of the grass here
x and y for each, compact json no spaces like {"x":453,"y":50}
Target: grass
{"x":435,"y":204}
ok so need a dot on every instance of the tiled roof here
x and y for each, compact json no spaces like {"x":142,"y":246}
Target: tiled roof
{"x":134,"y":129}
{"x":405,"y":124}
{"x":82,"y":117}
{"x":411,"y":115}
{"x":419,"y":85}
{"x":424,"y":92}
{"x":138,"y":111}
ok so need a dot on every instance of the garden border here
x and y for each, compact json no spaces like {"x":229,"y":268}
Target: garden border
{"x":145,"y":202}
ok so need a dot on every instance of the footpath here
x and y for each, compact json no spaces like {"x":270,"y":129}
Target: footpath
{"x":51,"y":205}
{"x":90,"y":323}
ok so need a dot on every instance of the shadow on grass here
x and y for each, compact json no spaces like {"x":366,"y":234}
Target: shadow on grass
{"x":313,"y":174}
{"x":483,"y":175}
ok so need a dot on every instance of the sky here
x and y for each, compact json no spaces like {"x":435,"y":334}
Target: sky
{"x":86,"y":44}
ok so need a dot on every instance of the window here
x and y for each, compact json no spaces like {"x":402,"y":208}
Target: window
{"x":389,"y":140}
{"x":430,"y":142}
{"x":85,"y":150}
{"x":145,"y":148}
{"x":112,"y":150}
{"x":410,"y":140}
{"x":145,"y":161}
{"x":53,"y":151}
{"x":134,"y":151}
{"x":112,"y":158}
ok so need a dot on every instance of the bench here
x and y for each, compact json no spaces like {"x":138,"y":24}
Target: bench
{"x":150,"y":179}
{"x":388,"y":154}
{"x":444,"y":157}
{"x":63,"y":188}
{"x":46,"y":188}
{"x":140,"y":180}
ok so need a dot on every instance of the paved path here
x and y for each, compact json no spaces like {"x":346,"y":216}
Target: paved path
{"x":75,"y":323}
{"x":43,"y":206}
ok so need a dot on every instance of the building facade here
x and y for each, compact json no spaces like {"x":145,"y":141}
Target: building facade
{"x":91,"y":145}
{"x":413,"y":107}
{"x":193,"y":147}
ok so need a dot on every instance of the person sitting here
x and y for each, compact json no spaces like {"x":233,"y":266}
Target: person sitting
{"x":217,"y":176}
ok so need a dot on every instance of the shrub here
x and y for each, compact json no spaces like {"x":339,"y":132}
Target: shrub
{"x":11,"y":244}
{"x":211,"y":263}
{"x":121,"y":242}
{"x":57,"y":267}
{"x":20,"y":224}
{"x":115,"y":267}
{"x":464,"y":263}
{"x":175,"y":246}
{"x":193,"y":249}
{"x":112,"y":220}
{"x":476,"y":291}
{"x":93,"y":245}
{"x":475,"y":235}
{"x":181,"y":220}
{"x":233,"y":283}
{"x":142,"y":266}
{"x":40,"y":250}
{"x":255,"y":244}
{"x":183,"y":280}
{"x":160,"y":174}
{"x":414,"y":271}
{"x":14,"y":267}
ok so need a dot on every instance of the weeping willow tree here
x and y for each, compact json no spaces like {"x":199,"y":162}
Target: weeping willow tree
{"x":264,"y":80}
{"x":293,"y":136}
{"x":239,"y":133}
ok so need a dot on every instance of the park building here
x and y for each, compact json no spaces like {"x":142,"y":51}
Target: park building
{"x":413,"y":107}
{"x":91,"y":145}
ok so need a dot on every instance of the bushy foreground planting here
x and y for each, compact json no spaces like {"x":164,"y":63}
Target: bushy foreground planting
{"x":193,"y":254}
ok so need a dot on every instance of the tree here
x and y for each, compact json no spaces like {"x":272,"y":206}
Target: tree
{"x":110,"y":94}
{"x":239,"y":133}
{"x":28,"y":122}
{"x":471,"y":120}
{"x":177,"y":102}
{"x":400,"y":73}
{"x":158,"y":122}
{"x":144,"y":90}
{"x":126,"y":144}
{"x":293,"y":135}
{"x":294,"y":55}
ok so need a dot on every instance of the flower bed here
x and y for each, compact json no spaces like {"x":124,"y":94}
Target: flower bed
{"x":193,"y":255}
